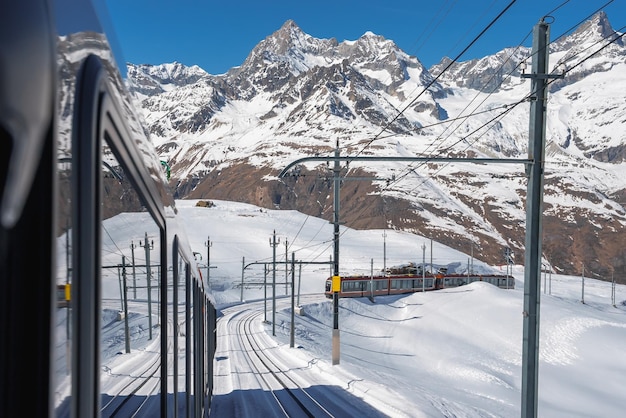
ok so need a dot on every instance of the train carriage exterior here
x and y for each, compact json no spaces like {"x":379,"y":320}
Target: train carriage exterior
{"x":394,"y":284}
{"x":75,"y":158}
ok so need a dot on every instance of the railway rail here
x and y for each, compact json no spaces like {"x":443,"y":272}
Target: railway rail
{"x":291,"y":397}
{"x":250,"y":361}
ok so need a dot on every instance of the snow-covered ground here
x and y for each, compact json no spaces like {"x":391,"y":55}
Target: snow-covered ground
{"x":454,"y":352}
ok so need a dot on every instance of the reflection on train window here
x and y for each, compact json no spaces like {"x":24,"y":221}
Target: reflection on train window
{"x":62,"y":338}
{"x":131,"y":272}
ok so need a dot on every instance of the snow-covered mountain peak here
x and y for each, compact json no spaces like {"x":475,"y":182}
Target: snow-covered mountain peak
{"x":154,"y":79}
{"x":289,"y":46}
{"x":227,"y":136}
{"x":290,"y":36}
{"x":371,"y":41}
{"x":594,"y":31}
{"x":598,"y":25}
{"x":594,"y":47}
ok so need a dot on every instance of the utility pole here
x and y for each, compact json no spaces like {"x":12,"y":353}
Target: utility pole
{"x":534,"y":198}
{"x":471,"y":266}
{"x":265,"y":293}
{"x":148,"y":247}
{"x":613,"y":288}
{"x":582,"y":296}
{"x":273,"y":244}
{"x":336,"y":278}
{"x":132,"y":252}
{"x":299,"y":282}
{"x":372,"y":280}
{"x":68,"y":311}
{"x":208,"y":245}
{"x":243,"y":267}
{"x":385,"y":252}
{"x":286,"y":266}
{"x":292,"y":328}
{"x":507,"y":260}
{"x":126,"y":329}
{"x":431,"y":253}
{"x":424,"y":267}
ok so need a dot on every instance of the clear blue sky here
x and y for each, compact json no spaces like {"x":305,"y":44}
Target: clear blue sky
{"x":218,"y":35}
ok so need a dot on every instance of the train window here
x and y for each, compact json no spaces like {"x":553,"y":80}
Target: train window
{"x":183,"y":333}
{"x":111,"y":237}
{"x":358,"y":285}
{"x":131,"y":295}
{"x":127,"y":295}
{"x":189,"y":335}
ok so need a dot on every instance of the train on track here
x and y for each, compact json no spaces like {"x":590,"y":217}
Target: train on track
{"x":410,"y":279}
{"x":78,"y":170}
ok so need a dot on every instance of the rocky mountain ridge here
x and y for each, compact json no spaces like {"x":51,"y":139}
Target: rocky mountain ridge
{"x":227,"y":136}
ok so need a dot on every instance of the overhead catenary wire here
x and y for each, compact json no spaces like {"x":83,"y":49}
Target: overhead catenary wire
{"x":435,"y":79}
{"x":507,"y":107}
{"x":614,"y":39}
{"x":506,"y":110}
{"x":552,"y":11}
{"x":526,"y":98}
{"x":401,"y":112}
{"x":409,"y":168}
{"x":580,"y":22}
{"x":369,"y":142}
{"x":498,"y":117}
{"x":427,"y":32}
{"x":378,"y":136}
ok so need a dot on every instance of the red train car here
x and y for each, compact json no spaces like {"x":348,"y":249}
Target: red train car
{"x":400,"y":283}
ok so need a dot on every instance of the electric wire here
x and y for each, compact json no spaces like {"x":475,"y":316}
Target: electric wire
{"x":470,"y":28}
{"x":401,"y":112}
{"x":529,"y":95}
{"x":526,"y":98}
{"x":368,"y":143}
{"x":378,"y":136}
{"x":496,"y":118}
{"x":573,"y":27}
{"x":410,"y":168}
{"x":426,"y":34}
{"x":558,"y":7}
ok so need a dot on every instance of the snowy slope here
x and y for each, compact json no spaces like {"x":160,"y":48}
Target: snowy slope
{"x":453,"y":352}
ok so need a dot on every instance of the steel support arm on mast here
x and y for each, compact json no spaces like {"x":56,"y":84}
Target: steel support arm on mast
{"x":338,"y":158}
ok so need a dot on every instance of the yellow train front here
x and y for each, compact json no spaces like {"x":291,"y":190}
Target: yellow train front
{"x":394,"y":284}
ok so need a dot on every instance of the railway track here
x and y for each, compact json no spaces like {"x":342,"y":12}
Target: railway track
{"x":256,"y":375}
{"x":291,"y":397}
{"x":137,"y":394}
